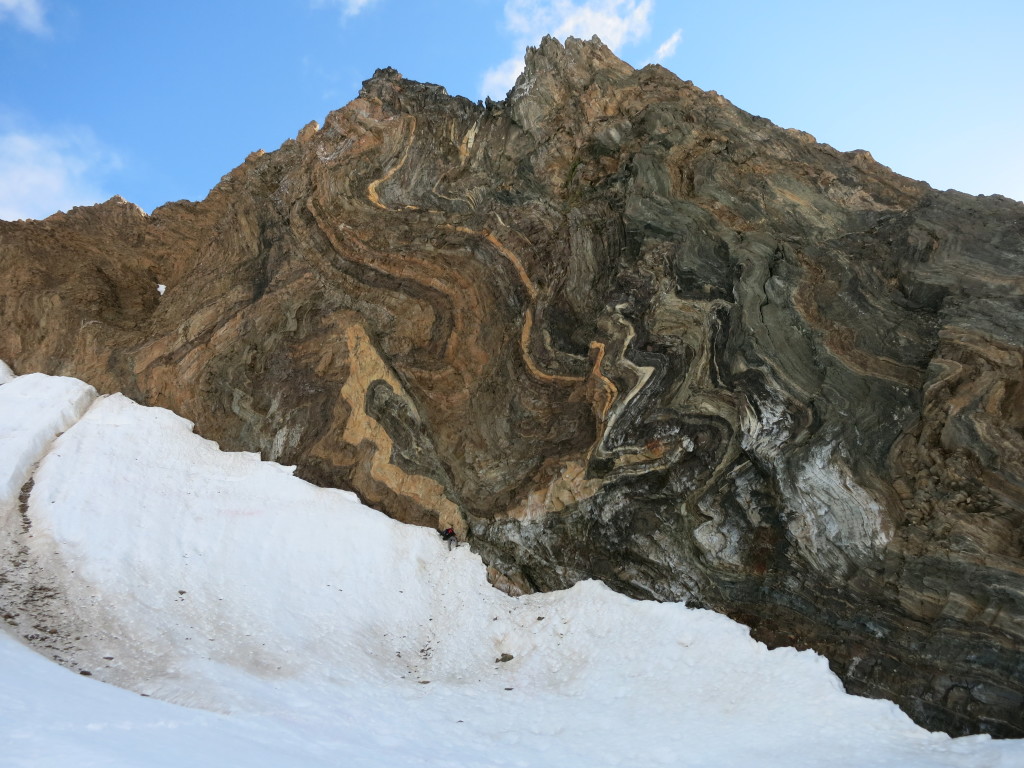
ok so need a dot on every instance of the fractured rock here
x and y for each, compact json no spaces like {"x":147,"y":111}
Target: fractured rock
{"x":610,"y":327}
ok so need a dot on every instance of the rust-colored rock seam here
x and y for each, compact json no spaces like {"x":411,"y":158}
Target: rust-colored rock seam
{"x":610,"y":327}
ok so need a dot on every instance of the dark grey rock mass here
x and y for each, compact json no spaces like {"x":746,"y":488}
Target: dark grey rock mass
{"x":610,"y":327}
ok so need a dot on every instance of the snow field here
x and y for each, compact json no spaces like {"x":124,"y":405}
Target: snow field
{"x":303,"y":628}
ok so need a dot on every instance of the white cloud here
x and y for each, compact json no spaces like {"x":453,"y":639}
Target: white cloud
{"x":41,"y":173}
{"x":26,"y":13}
{"x":668,"y":48}
{"x":348,"y":7}
{"x":498,"y":80}
{"x":616,"y":22}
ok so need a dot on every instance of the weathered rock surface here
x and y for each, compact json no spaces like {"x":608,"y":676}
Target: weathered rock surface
{"x":610,"y":327}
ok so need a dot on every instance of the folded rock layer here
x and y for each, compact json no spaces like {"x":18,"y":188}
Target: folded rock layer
{"x":610,"y":327}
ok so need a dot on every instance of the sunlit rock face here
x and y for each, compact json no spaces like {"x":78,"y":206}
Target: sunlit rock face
{"x":610,"y":327}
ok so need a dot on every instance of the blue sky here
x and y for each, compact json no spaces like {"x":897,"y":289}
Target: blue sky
{"x":156,"y":101}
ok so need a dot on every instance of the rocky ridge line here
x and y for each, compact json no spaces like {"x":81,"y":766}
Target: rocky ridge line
{"x":611,"y":327}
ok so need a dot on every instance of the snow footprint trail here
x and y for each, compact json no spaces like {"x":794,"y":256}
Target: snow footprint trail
{"x":334,"y":635}
{"x":34,"y":410}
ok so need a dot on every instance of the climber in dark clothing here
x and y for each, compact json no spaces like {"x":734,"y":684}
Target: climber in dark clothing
{"x":448,"y":534}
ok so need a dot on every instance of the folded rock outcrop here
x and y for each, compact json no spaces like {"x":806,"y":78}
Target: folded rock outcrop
{"x":613,"y":327}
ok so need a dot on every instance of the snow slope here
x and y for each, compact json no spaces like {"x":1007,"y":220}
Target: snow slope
{"x":272,"y":623}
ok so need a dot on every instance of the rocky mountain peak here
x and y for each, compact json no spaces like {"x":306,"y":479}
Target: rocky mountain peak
{"x":613,"y":327}
{"x":577,"y":60}
{"x":556,"y":76}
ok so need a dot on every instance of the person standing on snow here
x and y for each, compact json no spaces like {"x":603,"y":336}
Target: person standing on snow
{"x":448,"y":534}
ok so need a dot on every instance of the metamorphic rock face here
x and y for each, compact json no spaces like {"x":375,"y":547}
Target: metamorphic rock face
{"x":609,"y":327}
